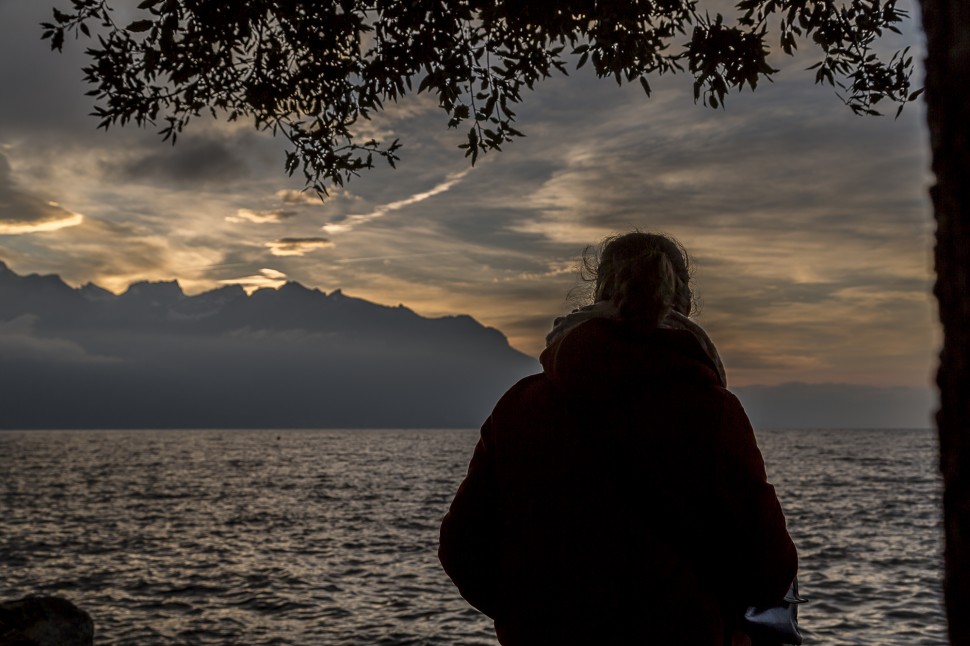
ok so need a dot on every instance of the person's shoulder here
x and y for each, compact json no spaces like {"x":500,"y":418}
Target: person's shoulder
{"x":531,"y":398}
{"x":726,"y":416}
{"x":730,"y":402}
{"x":714,"y":404}
{"x":524,"y":388}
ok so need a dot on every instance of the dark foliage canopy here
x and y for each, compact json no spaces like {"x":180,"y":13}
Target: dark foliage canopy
{"x":312,"y":71}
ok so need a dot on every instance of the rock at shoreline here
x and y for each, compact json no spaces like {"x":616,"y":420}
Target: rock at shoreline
{"x":44,"y":621}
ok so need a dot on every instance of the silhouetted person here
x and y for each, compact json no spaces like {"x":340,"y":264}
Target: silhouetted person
{"x":620,"y":497}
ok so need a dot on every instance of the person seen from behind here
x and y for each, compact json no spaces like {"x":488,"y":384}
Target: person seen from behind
{"x":619,"y":497}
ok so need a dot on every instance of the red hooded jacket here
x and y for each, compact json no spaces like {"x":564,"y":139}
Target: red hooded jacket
{"x":618,"y":498}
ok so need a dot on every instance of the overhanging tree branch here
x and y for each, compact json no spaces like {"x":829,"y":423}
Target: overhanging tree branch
{"x":312,"y":71}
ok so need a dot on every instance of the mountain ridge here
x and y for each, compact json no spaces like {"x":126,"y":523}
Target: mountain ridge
{"x":295,"y":299}
{"x":154,"y":357}
{"x":288,"y":357}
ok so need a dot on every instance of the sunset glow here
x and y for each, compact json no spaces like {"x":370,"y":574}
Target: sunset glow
{"x":809,"y":227}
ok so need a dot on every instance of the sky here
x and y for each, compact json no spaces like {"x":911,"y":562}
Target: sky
{"x":809,"y":227}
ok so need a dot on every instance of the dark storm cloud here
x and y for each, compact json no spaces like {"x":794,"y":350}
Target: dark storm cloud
{"x":198,"y":161}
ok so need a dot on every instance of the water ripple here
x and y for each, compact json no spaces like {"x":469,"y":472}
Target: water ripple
{"x":329,"y":537}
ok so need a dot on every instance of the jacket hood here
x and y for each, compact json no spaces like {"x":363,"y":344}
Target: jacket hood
{"x":605,"y":354}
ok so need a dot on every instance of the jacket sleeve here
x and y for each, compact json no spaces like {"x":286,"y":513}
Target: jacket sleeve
{"x":763,"y":560}
{"x":468,"y":548}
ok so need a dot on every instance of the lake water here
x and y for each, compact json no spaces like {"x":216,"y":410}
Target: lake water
{"x":329,"y":537}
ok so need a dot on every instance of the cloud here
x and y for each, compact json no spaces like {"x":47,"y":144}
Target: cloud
{"x":110,"y":254}
{"x":267,"y":277}
{"x":261,"y":217}
{"x":290,"y":196}
{"x":202,"y":159}
{"x":22,"y":213}
{"x":347,"y":223}
{"x":56,"y":220}
{"x":297,"y":246}
{"x":790,"y":157}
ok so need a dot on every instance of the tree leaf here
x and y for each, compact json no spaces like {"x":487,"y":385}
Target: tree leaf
{"x":140,"y":25}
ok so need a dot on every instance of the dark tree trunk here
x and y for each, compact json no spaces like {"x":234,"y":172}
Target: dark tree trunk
{"x":947,"y":25}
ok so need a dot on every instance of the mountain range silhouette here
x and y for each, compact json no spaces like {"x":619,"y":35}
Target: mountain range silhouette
{"x":293,"y":357}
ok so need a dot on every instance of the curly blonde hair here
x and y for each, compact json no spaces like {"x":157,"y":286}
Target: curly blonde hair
{"x":645,"y":275}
